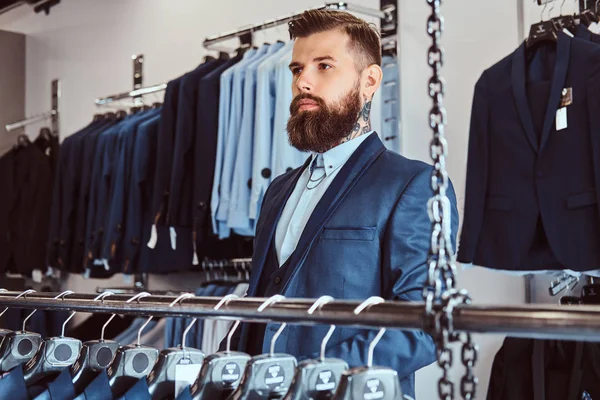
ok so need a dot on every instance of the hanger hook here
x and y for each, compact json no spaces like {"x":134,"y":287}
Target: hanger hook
{"x":66,"y":292}
{"x":100,"y":296}
{"x":139,"y":295}
{"x":224,"y":300}
{"x":550,"y":10}
{"x":543,"y":11}
{"x":22,"y":294}
{"x":270,"y":301}
{"x":321,"y":301}
{"x":182,"y":297}
{"x":137,"y":298}
{"x":364,"y":305}
{"x":227,"y":299}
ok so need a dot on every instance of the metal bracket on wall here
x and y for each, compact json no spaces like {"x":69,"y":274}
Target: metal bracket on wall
{"x":389,"y":28}
{"x":138,"y":77}
{"x":55,"y":118}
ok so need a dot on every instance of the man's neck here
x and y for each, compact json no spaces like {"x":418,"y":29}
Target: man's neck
{"x":362,"y":125}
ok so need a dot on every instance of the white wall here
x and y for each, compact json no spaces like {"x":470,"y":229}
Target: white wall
{"x":88,"y":44}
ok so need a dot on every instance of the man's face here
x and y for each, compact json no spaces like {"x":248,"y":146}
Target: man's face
{"x":327,"y":91}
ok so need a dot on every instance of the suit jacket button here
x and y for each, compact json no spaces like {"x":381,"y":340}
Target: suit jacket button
{"x":201,"y":204}
{"x":249,"y":183}
{"x":277,"y":280}
{"x":266,"y":173}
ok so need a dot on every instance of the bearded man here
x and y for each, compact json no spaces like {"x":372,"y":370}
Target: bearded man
{"x":352,"y":222}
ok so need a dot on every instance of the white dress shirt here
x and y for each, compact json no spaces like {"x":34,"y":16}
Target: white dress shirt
{"x":303,"y":201}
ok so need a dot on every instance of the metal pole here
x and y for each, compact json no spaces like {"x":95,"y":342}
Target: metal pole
{"x":30,"y":120}
{"x":131,"y":94}
{"x":532,"y":321}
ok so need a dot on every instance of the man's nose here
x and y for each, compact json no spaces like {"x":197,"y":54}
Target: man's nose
{"x":304,"y":84}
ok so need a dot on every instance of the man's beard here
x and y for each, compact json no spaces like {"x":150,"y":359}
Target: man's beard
{"x":322,"y":129}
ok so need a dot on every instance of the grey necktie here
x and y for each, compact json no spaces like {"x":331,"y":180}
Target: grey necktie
{"x":317,"y":172}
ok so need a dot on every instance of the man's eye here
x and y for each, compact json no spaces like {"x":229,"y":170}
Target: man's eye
{"x":296,"y":71}
{"x":324,"y":66}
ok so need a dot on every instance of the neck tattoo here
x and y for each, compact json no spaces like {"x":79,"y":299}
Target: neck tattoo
{"x":363,"y":123}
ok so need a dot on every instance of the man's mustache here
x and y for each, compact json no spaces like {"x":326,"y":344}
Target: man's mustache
{"x":294,"y":107}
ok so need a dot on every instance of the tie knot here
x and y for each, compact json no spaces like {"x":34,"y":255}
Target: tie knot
{"x":317,"y":163}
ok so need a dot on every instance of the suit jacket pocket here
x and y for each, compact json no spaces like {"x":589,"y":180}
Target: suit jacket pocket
{"x":499,"y":203}
{"x":366,"y":233}
{"x":584,"y":199}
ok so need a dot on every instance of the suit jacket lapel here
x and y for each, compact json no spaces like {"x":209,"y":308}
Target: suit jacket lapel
{"x":563,"y":53}
{"x":519,"y":72}
{"x":270,"y":226}
{"x":354,"y":168}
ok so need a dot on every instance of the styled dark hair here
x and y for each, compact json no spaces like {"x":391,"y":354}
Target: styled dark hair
{"x":364,"y":38}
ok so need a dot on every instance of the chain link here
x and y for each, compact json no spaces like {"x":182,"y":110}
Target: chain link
{"x":440,"y":294}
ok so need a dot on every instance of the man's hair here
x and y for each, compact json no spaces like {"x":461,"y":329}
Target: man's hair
{"x":364,"y":38}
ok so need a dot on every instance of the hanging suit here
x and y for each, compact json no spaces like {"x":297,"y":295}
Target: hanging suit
{"x":532,"y":191}
{"x":357,"y":243}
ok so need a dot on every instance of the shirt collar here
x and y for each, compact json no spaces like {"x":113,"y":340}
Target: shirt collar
{"x":336,"y":157}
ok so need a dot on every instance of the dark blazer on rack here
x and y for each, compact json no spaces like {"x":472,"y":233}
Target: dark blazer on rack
{"x":368,"y":236}
{"x":520,"y":177}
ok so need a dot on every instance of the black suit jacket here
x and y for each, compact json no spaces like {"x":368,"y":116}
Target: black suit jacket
{"x":517,"y":176}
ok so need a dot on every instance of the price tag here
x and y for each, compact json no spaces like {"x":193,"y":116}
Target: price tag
{"x":561,"y":119}
{"x":153,"y":237}
{"x":185,"y":375}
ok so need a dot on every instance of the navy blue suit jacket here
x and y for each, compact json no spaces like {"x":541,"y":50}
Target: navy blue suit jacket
{"x":368,"y":236}
{"x":518,"y":175}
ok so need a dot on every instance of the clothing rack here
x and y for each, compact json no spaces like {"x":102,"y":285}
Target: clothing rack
{"x":389,"y":23}
{"x":342,"y":6}
{"x":542,"y":322}
{"x":53,"y":114}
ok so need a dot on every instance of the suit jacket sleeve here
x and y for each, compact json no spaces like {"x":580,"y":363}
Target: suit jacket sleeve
{"x":476,"y":174}
{"x":405,"y":250}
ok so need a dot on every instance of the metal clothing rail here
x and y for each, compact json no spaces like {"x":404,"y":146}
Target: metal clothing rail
{"x":53,"y":114}
{"x":530,"y":321}
{"x":210,"y":41}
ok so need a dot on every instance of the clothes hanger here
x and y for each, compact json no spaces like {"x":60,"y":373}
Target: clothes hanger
{"x":565,"y":21}
{"x":379,"y":382}
{"x":53,"y":354}
{"x":3,"y":332}
{"x":543,"y":32}
{"x":95,"y":356}
{"x":317,"y":379}
{"x":221,"y":372}
{"x":268,"y":375}
{"x":18,"y":347}
{"x":590,"y":293}
{"x":173,"y":362}
{"x":131,"y":362}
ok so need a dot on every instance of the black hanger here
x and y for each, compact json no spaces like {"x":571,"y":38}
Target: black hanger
{"x":95,"y":356}
{"x":224,"y":56}
{"x":22,"y":141}
{"x":111,"y":116}
{"x":131,"y":362}
{"x":121,"y":114}
{"x":380,"y":383}
{"x":565,"y":21}
{"x":221,"y":372}
{"x":99,"y":117}
{"x":46,"y":134}
{"x":53,"y":355}
{"x":156,"y":105}
{"x":161,"y":380}
{"x":543,"y":32}
{"x":18,"y":347}
{"x":317,"y":379}
{"x":590,"y":293}
{"x":268,"y":375}
{"x":588,"y":17}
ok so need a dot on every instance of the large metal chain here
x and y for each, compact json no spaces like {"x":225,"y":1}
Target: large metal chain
{"x":440,"y":294}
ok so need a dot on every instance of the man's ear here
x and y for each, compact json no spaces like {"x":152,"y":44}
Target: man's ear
{"x":372,"y":77}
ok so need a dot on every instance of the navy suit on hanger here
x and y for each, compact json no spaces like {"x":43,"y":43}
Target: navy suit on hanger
{"x":532,"y":190}
{"x":368,"y":236}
